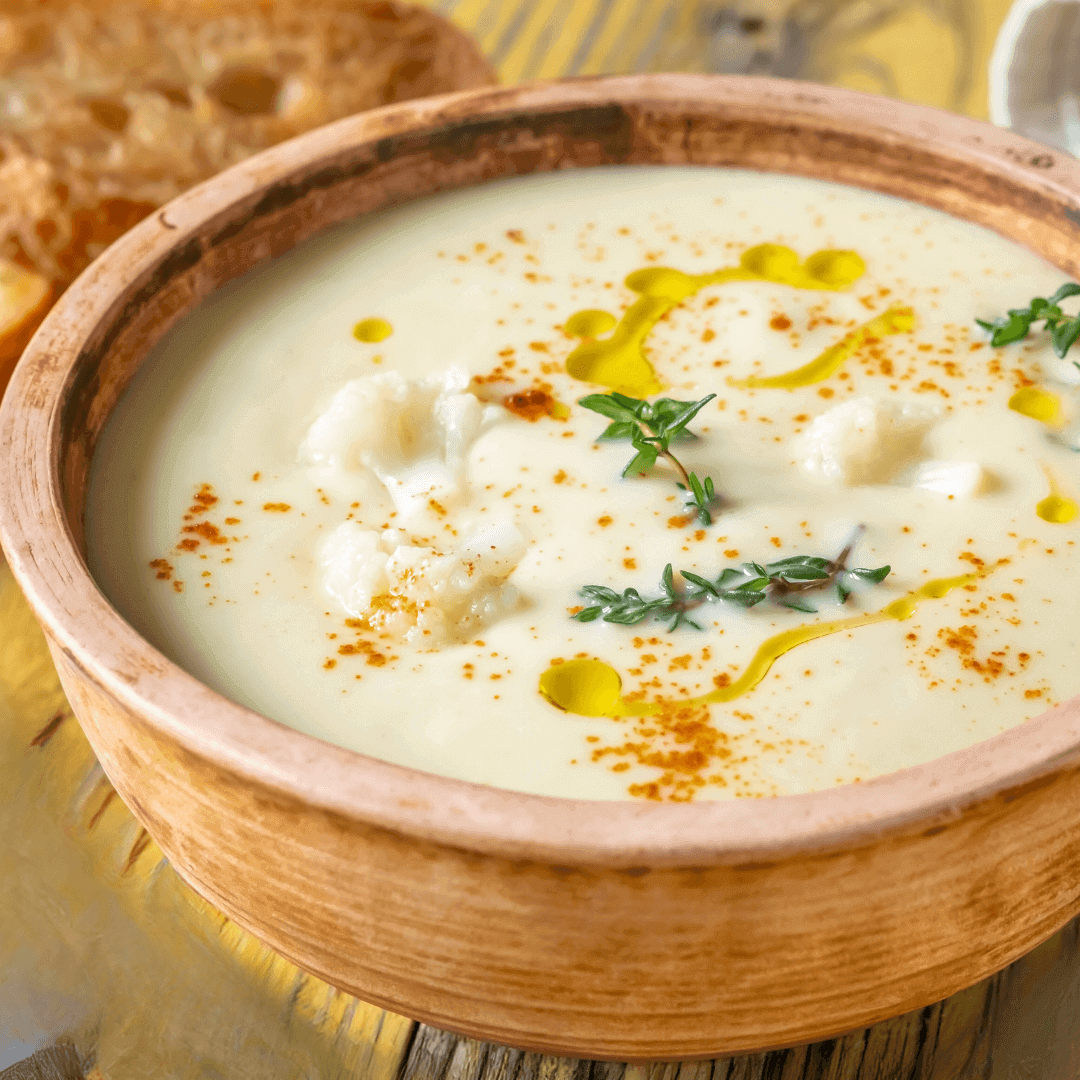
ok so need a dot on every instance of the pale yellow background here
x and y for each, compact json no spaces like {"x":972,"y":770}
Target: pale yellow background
{"x":920,"y":51}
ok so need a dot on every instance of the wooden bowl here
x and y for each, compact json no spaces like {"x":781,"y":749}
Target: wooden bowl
{"x":611,"y":929}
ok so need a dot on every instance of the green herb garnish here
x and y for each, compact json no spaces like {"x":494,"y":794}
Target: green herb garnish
{"x":651,"y":427}
{"x":783,"y":582}
{"x":1015,"y":326}
{"x":631,"y":607}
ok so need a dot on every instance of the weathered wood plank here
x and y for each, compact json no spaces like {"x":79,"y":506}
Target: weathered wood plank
{"x":1024,"y":1022}
{"x":60,"y":1062}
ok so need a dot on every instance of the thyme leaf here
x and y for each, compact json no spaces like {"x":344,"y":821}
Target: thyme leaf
{"x":783,"y":582}
{"x":651,"y":428}
{"x":1015,"y":325}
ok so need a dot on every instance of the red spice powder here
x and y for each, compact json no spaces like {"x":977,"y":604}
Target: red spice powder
{"x":534,"y":403}
{"x":208,"y":531}
{"x":204,"y":499}
{"x":683,"y":743}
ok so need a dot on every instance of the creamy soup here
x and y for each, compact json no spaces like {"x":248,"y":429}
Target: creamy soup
{"x":357,"y":491}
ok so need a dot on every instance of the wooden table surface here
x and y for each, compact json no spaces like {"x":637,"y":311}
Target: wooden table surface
{"x":105,"y":951}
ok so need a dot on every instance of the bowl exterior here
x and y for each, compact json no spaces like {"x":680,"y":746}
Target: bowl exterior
{"x":628,"y":962}
{"x":614,"y":930}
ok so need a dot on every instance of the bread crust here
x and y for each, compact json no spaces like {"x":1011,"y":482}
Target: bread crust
{"x":113,"y":107}
{"x":25,"y":298}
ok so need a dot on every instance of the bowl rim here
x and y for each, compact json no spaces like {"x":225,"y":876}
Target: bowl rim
{"x":81,"y":622}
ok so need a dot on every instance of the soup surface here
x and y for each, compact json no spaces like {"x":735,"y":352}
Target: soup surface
{"x":357,"y":491}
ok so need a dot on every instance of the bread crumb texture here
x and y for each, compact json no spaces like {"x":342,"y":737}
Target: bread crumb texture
{"x":110,"y":109}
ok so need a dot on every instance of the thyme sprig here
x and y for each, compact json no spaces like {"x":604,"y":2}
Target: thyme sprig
{"x":1064,"y":330}
{"x":631,"y":607}
{"x":651,"y":427}
{"x":783,"y":582}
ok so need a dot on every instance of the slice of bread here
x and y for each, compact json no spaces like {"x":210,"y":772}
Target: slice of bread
{"x":109,"y":108}
{"x":25,"y":297}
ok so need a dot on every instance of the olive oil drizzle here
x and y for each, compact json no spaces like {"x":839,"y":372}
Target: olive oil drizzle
{"x":619,"y":361}
{"x":896,"y":320}
{"x":1057,"y":507}
{"x":594,"y":688}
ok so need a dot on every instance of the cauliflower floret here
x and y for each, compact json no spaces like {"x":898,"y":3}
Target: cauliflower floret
{"x":495,"y":550}
{"x":866,"y":441}
{"x":412,"y":434}
{"x":353,"y":566}
{"x":962,"y":479}
{"x":418,"y":594}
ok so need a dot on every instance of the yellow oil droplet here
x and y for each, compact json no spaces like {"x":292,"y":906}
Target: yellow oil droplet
{"x":1039,"y":404}
{"x":1056,"y":507}
{"x":902,"y":609}
{"x":589,"y":324}
{"x":619,"y":362}
{"x":372,"y":330}
{"x":663,"y":283}
{"x":772,"y":261}
{"x":836,"y":268}
{"x":896,"y":320}
{"x":935,"y":590}
{"x":592,"y":687}
{"x":583,"y":687}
